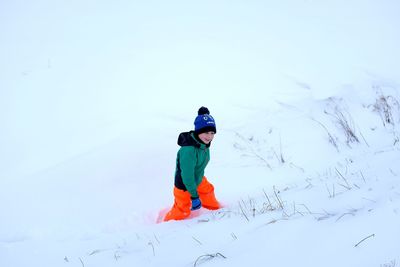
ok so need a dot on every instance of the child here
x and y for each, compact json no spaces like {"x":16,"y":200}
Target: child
{"x":192,"y":189}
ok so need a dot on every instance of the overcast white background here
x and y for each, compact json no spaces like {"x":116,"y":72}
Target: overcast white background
{"x":93,"y":95}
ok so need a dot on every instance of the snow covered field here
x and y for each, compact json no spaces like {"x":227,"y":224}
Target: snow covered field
{"x":306,"y":97}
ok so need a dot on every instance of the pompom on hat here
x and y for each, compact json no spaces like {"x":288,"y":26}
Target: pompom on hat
{"x":204,"y":122}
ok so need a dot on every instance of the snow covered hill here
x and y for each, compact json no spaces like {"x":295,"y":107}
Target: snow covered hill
{"x":306,"y":99}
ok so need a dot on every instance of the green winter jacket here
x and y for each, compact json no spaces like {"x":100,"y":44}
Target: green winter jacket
{"x":191,"y":160}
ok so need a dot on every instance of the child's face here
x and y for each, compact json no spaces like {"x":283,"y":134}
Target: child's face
{"x":206,"y":137}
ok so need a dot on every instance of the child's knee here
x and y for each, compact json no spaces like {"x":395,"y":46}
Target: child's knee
{"x":205,"y":187}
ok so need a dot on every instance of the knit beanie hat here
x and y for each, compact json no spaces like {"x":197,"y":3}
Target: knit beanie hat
{"x":204,"y":122}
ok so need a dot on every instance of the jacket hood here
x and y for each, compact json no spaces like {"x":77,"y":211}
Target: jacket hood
{"x":190,"y":139}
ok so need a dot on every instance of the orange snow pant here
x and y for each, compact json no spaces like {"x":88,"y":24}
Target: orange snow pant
{"x":183,"y":202}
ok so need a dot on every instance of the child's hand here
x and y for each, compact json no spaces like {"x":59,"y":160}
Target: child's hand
{"x":196,"y":204}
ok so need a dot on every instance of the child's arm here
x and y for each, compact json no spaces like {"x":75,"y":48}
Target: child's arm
{"x":187,"y":164}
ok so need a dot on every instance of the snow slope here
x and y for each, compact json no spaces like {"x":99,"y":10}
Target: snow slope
{"x":93,"y":96}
